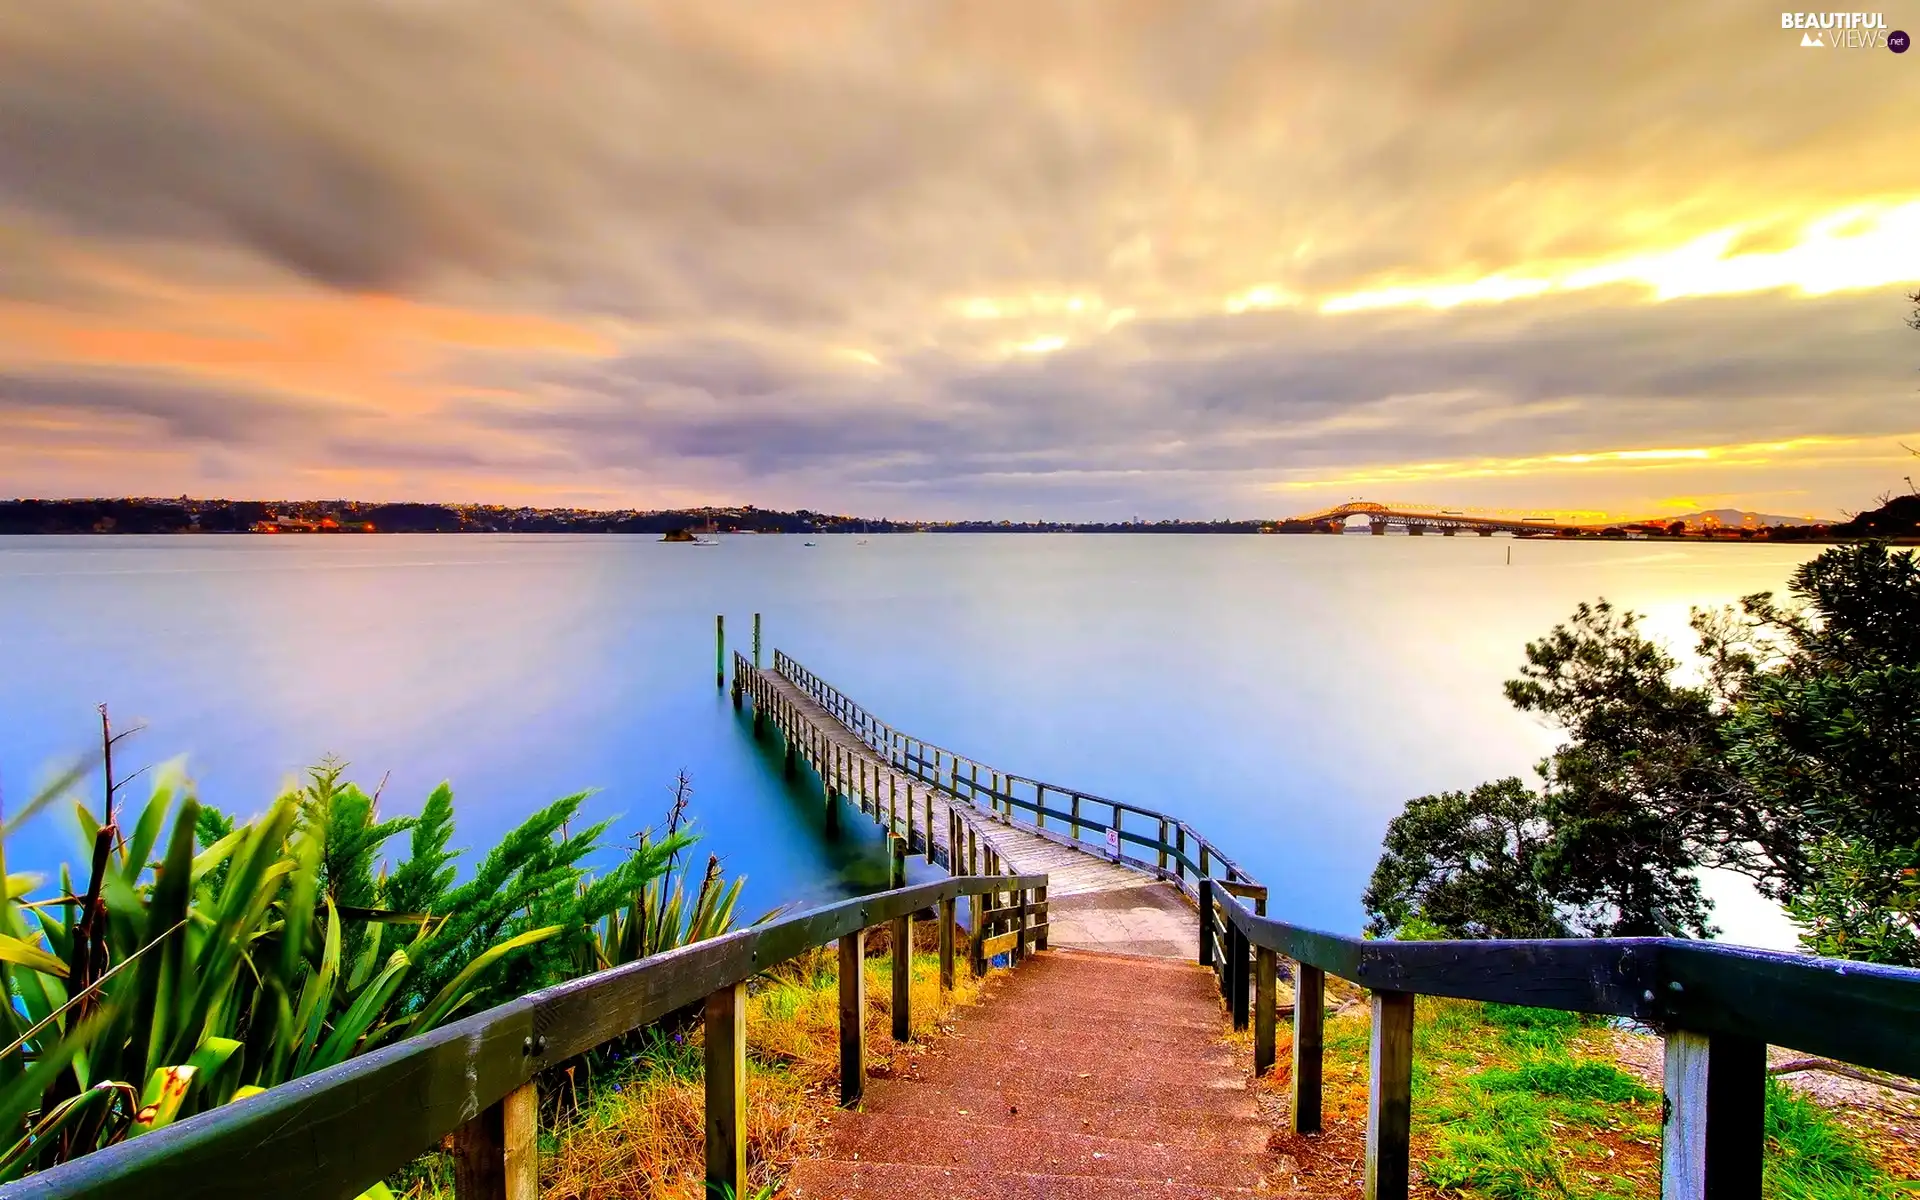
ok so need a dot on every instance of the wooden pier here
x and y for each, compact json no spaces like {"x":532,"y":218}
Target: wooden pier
{"x":931,"y":799}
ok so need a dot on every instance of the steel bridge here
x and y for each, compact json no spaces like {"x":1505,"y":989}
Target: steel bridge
{"x":1446,"y":523}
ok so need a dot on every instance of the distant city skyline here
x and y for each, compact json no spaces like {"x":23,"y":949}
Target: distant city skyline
{"x":1028,"y":260}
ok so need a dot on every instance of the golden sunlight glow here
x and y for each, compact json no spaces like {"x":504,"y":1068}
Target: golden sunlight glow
{"x":1265,"y":296}
{"x":1864,"y":246}
{"x":1828,"y":450}
{"x":1039,"y":345}
{"x":855,"y":354}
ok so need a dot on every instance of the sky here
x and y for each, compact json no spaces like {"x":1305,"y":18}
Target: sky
{"x":1085,"y":260}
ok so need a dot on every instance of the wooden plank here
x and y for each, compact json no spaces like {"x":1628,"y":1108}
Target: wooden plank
{"x":726,"y":1089}
{"x":1309,"y":1024}
{"x":853,"y":1012}
{"x":1714,"y":1135}
{"x":993,"y":947}
{"x":1389,"y":1097}
{"x":903,"y":978}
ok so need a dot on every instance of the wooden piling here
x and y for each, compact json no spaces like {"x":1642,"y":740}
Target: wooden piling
{"x":720,"y":651}
{"x":756,"y":641}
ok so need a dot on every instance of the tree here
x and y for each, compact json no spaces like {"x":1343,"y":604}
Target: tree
{"x":1824,"y":731}
{"x":1464,"y":864}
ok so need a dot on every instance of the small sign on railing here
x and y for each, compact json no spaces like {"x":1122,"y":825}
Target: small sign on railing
{"x":1113,"y":844}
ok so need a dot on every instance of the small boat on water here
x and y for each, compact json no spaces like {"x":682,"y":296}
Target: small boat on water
{"x":809,"y":543}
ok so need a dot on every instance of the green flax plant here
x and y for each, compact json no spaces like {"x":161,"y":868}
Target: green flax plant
{"x":204,"y":960}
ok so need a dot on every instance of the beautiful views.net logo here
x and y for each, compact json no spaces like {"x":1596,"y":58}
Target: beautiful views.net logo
{"x":1844,"y":30}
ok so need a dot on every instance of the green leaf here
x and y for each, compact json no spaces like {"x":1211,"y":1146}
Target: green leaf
{"x":26,"y":954}
{"x":437,"y":1008}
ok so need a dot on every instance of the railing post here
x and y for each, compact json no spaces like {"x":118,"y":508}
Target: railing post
{"x":1163,"y":847}
{"x":897,"y":867}
{"x":1040,"y":805}
{"x":1044,"y":918}
{"x":977,"y":936}
{"x":1715,"y":1127}
{"x":1076,"y":818}
{"x":853,"y":1017}
{"x":1180,"y":865}
{"x":1206,"y":922}
{"x":903,"y":977}
{"x":1309,"y":1026}
{"x":496,"y":1154}
{"x":1389,"y":1097}
{"x":726,"y":1085}
{"x":929,"y":823}
{"x":1263,"y":1010}
{"x":1020,"y":925}
{"x":953,"y":843}
{"x":1238,"y":956}
{"x":949,"y":913}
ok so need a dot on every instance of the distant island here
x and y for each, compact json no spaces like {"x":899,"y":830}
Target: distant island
{"x":1900,"y":518}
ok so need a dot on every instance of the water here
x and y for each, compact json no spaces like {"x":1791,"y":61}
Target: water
{"x":1284,"y":694}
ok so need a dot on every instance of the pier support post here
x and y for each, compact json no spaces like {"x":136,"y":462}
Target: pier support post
{"x":756,"y":641}
{"x":720,"y":651}
{"x":949,"y":913}
{"x":853,"y":1013}
{"x":903,"y":978}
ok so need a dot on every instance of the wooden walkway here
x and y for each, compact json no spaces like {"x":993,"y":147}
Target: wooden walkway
{"x":1024,"y":1100}
{"x":1093,"y":902}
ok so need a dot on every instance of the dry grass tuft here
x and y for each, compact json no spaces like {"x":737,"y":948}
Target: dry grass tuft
{"x":641,"y":1131}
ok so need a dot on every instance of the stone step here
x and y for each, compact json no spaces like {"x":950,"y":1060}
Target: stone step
{"x":837,"y":1179}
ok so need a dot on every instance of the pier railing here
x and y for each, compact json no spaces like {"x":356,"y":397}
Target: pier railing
{"x":335,"y":1133}
{"x":1153,"y":841}
{"x":1718,"y":1006}
{"x":1002,"y":922}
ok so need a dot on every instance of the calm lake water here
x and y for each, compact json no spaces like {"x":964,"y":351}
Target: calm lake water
{"x":1285,"y":694}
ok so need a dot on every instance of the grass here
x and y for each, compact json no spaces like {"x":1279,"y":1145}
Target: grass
{"x":1514,"y":1103}
{"x":637,"y":1128}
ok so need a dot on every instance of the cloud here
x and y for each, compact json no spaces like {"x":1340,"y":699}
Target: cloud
{"x":185,"y":409}
{"x":983,"y":253}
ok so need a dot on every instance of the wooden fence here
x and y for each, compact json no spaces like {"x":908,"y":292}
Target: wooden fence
{"x":332,"y":1134}
{"x":1719,"y":1008}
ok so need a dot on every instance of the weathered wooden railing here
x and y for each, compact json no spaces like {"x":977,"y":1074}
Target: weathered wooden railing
{"x":1718,"y":1006}
{"x":1171,"y":848}
{"x":333,"y":1134}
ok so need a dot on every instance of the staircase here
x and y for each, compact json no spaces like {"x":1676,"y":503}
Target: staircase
{"x":1079,"y":1076}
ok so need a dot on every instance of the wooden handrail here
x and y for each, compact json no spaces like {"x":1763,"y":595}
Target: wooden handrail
{"x":334,"y":1133}
{"x":1718,"y":1007}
